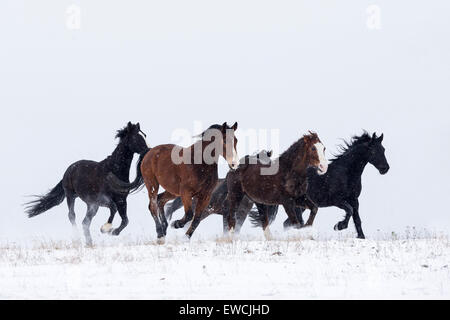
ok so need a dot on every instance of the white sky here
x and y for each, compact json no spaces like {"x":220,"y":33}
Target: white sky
{"x":287,"y":65}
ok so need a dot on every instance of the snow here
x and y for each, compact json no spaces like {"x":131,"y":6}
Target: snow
{"x":292,"y":266}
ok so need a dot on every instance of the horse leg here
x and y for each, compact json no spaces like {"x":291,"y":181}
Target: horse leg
{"x":348,"y":214}
{"x":91,"y":211}
{"x":225,"y":222}
{"x":289,"y":207}
{"x":188,"y":213}
{"x":241,"y":215}
{"x":122,"y":207}
{"x":356,"y":219}
{"x":107,"y":227}
{"x":152,"y":186}
{"x":234,"y":198}
{"x":299,"y":213}
{"x":201,"y":204}
{"x":312,"y":215}
{"x":71,"y":204}
{"x":162,"y":200}
{"x":264,"y":211}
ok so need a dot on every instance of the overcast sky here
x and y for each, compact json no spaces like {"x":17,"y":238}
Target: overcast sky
{"x":287,"y":65}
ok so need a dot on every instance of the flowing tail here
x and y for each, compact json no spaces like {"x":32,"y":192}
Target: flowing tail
{"x":257,"y":219}
{"x":172,"y":207}
{"x":122,"y":187}
{"x":43,"y":203}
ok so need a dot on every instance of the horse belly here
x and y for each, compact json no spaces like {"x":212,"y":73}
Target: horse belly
{"x":264,"y":192}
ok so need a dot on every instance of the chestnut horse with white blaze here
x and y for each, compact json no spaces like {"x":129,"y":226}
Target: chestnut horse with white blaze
{"x":189,"y":173}
{"x":287,"y":186}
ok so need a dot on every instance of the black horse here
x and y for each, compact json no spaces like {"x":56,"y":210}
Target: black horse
{"x":219,"y":204}
{"x":341,"y":185}
{"x":98,"y":184}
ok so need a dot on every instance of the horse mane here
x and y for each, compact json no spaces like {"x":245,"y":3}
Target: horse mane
{"x":214,"y":126}
{"x":348,"y":147}
{"x":122,"y":133}
{"x":292,"y":152}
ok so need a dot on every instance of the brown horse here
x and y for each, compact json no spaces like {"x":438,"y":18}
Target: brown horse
{"x":286,"y":186}
{"x":189,"y":173}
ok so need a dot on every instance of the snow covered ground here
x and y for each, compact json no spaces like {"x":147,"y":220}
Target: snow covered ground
{"x":293,"y":266}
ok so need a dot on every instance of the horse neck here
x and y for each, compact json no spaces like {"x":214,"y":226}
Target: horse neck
{"x":291,"y":162}
{"x":120,"y":161}
{"x":355,"y":161}
{"x":201,"y":145}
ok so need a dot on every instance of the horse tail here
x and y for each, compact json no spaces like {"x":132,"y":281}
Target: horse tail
{"x":257,"y":219}
{"x":172,"y":207}
{"x":121,"y":187}
{"x":138,"y":182}
{"x":43,"y":203}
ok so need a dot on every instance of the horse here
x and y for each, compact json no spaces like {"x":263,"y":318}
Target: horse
{"x":98,"y":184}
{"x":189,"y":173}
{"x":218,"y":203}
{"x":287,"y":186}
{"x":341,"y":186}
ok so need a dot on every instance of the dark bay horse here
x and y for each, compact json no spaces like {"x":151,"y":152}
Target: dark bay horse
{"x":341,"y":186}
{"x":97,"y":183}
{"x":287,"y":186}
{"x":189,"y":173}
{"x":218,"y":203}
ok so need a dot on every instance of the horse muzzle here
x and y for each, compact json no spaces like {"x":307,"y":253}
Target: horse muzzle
{"x":322,"y":169}
{"x":384,"y":170}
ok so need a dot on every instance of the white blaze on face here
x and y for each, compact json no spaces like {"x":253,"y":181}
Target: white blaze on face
{"x":323,"y":163}
{"x":235,"y":161}
{"x":145,"y":139}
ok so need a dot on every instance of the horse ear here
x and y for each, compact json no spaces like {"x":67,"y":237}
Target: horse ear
{"x":224,"y":126}
{"x":269,"y":153}
{"x":129,"y":125}
{"x":380,"y":138}
{"x":235,"y":126}
{"x":138,"y":126}
{"x":374,"y":136}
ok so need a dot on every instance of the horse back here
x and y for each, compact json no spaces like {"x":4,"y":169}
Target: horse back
{"x":158,"y":164}
{"x":85,"y":178}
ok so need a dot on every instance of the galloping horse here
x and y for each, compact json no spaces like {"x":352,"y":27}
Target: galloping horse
{"x":96,"y":183}
{"x":286,"y":187}
{"x":189,"y":173}
{"x":218,"y":203}
{"x":341,"y":185}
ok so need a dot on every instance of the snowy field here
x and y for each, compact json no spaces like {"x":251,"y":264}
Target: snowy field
{"x":308,"y":266}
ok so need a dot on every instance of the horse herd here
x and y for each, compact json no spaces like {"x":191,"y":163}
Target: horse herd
{"x":302,"y":180}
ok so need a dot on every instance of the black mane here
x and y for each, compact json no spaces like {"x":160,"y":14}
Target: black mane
{"x":349,"y":146}
{"x":214,"y":126}
{"x":292,"y":152}
{"x":122,"y":133}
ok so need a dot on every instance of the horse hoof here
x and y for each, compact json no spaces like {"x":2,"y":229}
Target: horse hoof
{"x":267,"y":234}
{"x":176,"y":224}
{"x":161,"y":240}
{"x":106,"y":228}
{"x":339,"y":226}
{"x":115,"y":232}
{"x":361,"y":236}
